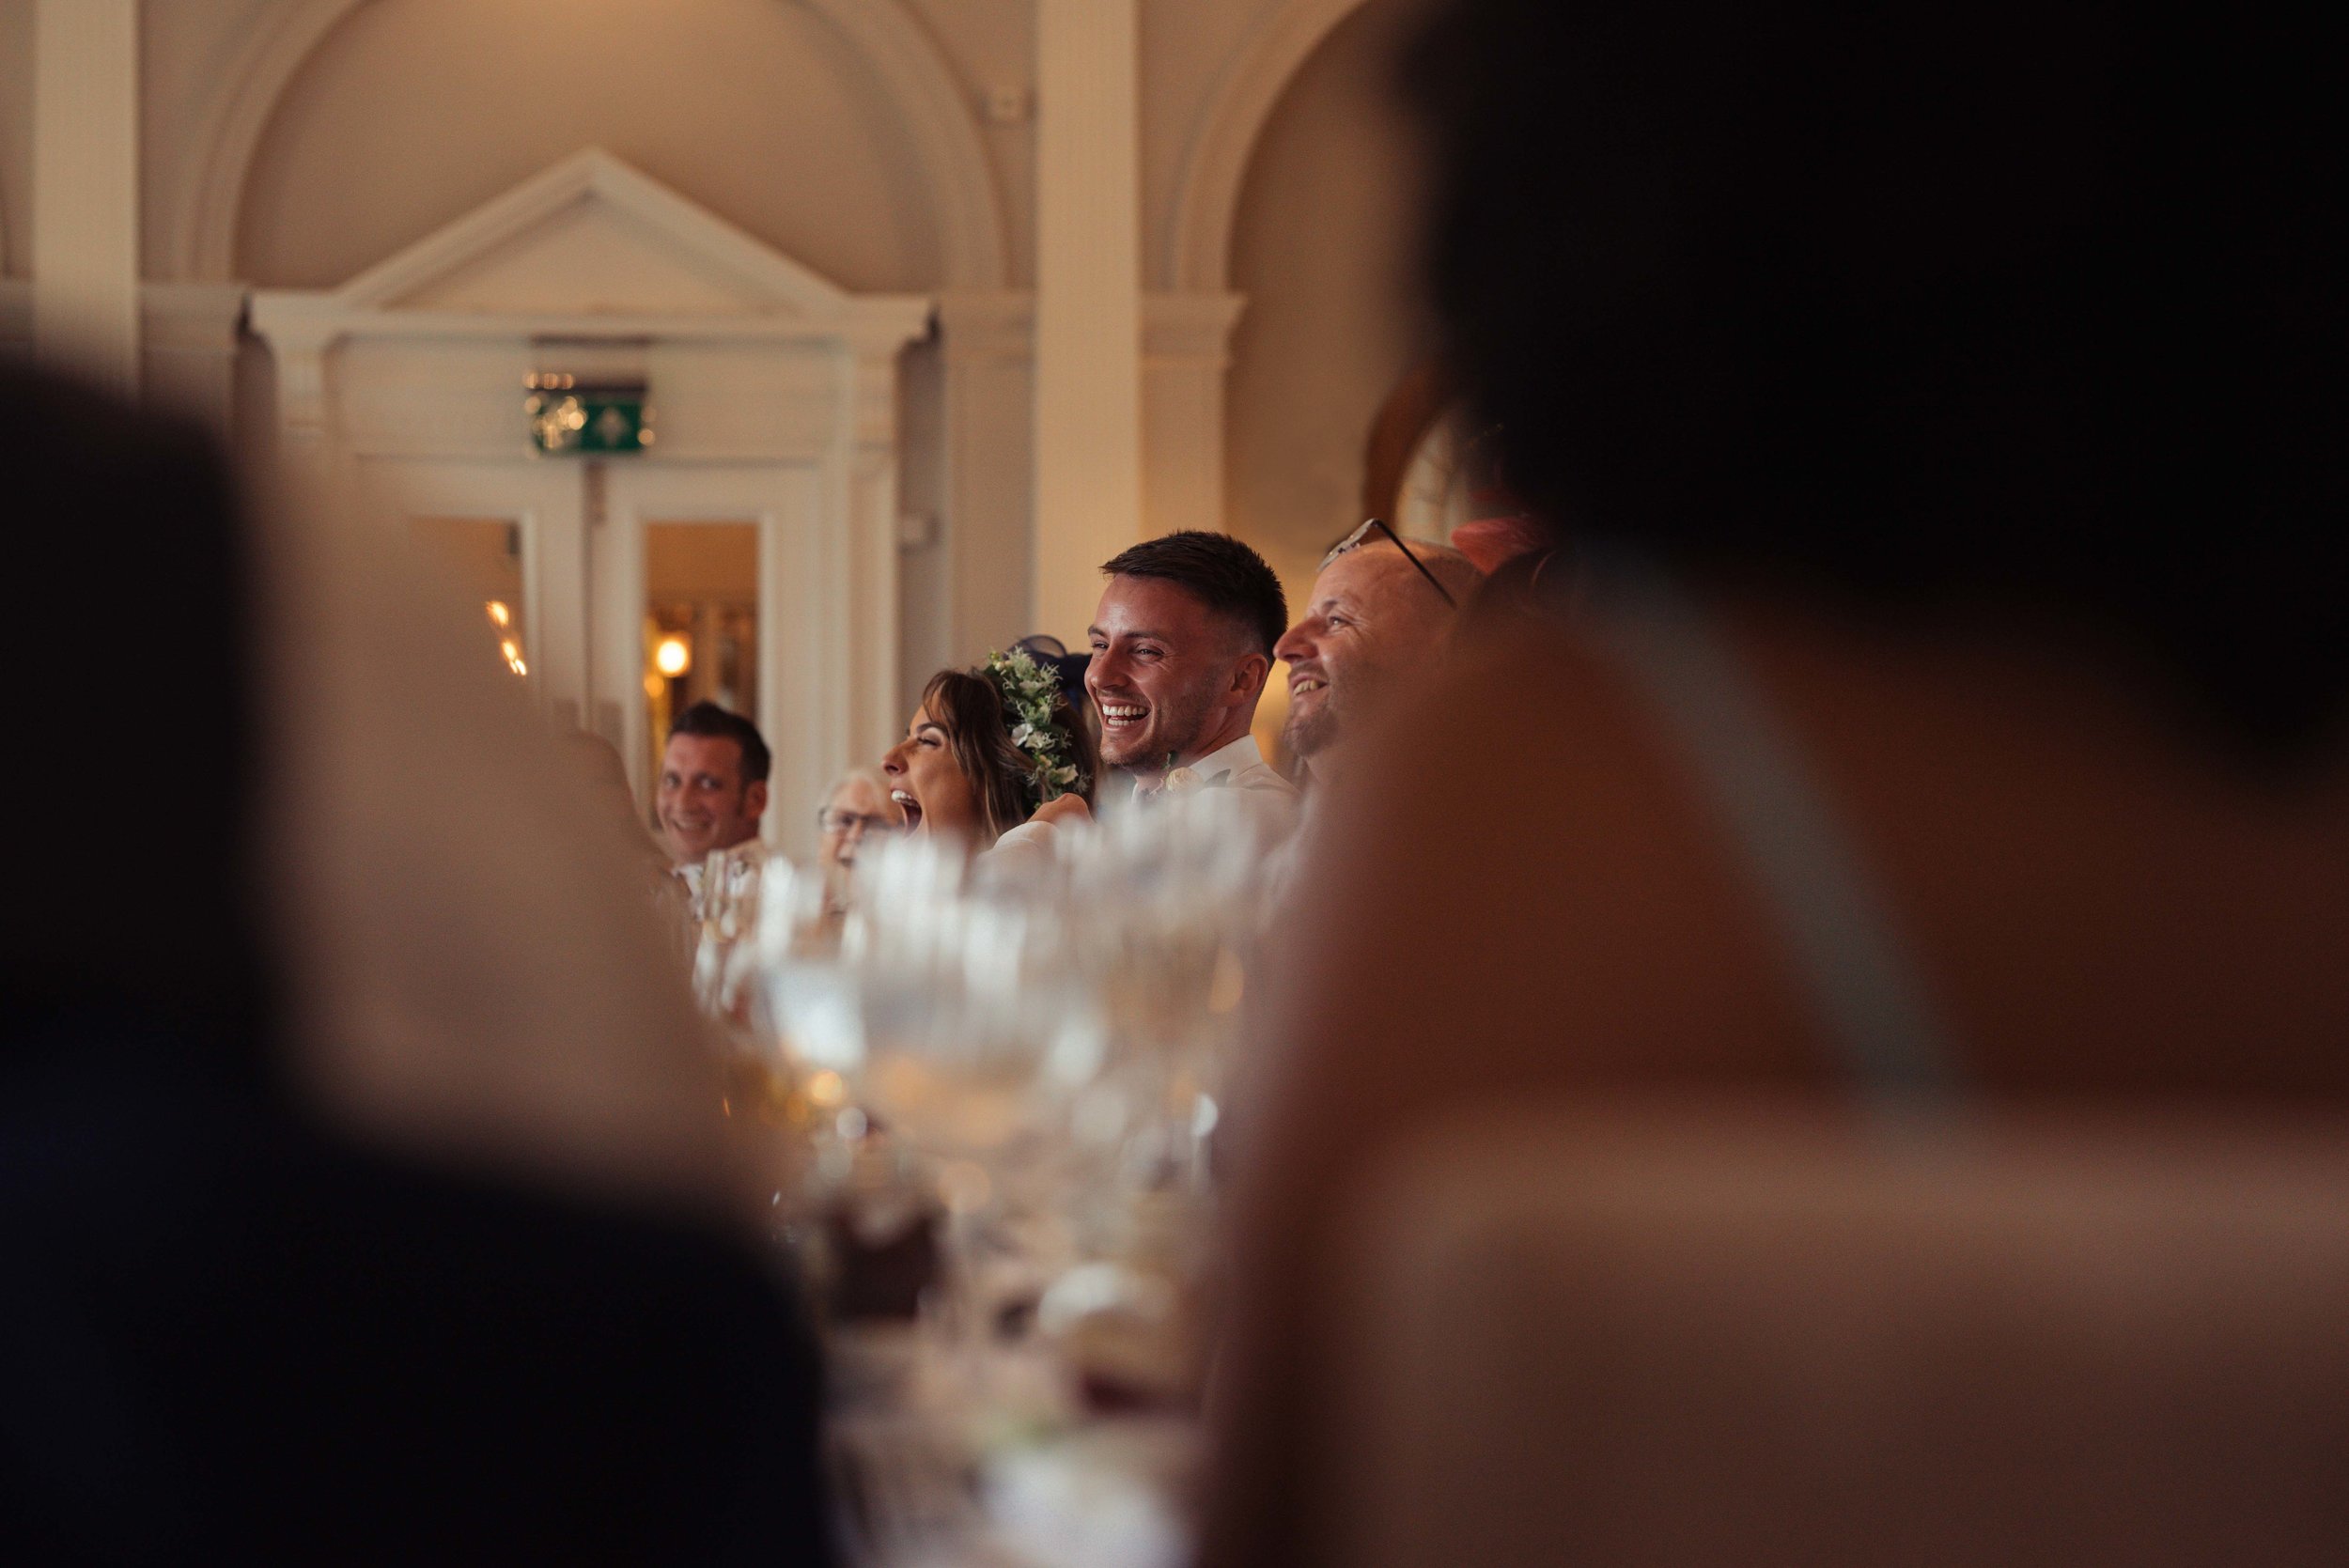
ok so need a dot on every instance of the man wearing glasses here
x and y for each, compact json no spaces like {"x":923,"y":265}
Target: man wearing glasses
{"x":858,"y":807}
{"x":1376,"y":612}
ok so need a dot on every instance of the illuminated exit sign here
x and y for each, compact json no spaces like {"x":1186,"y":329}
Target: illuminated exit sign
{"x":571,"y":414}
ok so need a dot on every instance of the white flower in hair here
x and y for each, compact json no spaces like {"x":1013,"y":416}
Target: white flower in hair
{"x":1029,"y":690}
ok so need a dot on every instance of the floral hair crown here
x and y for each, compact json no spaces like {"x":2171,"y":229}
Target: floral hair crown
{"x":1029,"y":689}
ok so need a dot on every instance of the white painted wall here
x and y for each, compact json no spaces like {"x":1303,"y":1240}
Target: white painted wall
{"x":16,"y":138}
{"x":1321,"y":250}
{"x":406,"y":113}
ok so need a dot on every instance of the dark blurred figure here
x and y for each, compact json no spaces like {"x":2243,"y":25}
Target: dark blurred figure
{"x":228,"y":1333}
{"x":1943,"y":403}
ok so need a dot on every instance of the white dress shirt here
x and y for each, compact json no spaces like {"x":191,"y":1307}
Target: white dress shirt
{"x":1237,"y":766}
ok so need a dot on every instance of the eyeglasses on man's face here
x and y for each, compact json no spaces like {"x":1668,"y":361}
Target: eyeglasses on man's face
{"x":1361,"y":536}
{"x":838,"y":821}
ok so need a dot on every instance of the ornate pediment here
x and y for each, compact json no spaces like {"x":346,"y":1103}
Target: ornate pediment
{"x":593,"y":236}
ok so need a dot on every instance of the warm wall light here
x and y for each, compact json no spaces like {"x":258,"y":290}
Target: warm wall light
{"x":673,"y":655}
{"x":500,"y":615}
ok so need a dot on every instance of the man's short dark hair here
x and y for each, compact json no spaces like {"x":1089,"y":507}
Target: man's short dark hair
{"x":1220,"y":572}
{"x":709,"y":719}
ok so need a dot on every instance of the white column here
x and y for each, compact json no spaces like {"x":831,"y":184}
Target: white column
{"x":874,"y":719}
{"x":1185,"y":349}
{"x":187,"y":338}
{"x":1088,"y":326}
{"x":988,"y":344}
{"x":301,"y":334}
{"x":85,"y":189}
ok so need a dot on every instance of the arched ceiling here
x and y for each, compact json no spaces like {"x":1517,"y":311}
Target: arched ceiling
{"x":1215,"y":165}
{"x":831,"y":128}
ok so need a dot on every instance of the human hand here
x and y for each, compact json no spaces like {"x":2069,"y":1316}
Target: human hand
{"x":1063,"y":808}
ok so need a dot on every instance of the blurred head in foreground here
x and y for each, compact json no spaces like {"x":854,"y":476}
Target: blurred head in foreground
{"x":156,"y":540}
{"x":1933,"y":399}
{"x":1372,"y":618}
{"x":713,"y":782}
{"x":2016,"y":314}
{"x":366,"y":1123}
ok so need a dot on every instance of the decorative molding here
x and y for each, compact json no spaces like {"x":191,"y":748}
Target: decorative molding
{"x":903,"y":315}
{"x":935,"y":109}
{"x":923,"y":92}
{"x":1001,"y":323}
{"x":1207,"y":194}
{"x":189,"y":337}
{"x":756,"y":272}
{"x":781,"y":300}
{"x":874,"y":399}
{"x":228,"y":131}
{"x":197,"y":317}
{"x":1189,"y":328}
{"x":996,"y":324}
{"x":781,"y":406}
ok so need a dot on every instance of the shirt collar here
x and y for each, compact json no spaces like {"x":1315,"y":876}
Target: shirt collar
{"x":1228,"y":761}
{"x":1219,"y":765}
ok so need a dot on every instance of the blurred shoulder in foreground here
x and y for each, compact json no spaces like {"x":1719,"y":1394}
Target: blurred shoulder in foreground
{"x":1957,"y":642}
{"x":276,"y":1288}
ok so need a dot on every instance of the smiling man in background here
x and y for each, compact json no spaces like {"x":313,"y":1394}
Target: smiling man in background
{"x":1375,"y":615}
{"x":713,"y":784}
{"x":1182,"y":643}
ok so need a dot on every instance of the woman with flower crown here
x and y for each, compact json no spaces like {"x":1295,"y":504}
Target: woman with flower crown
{"x":992,"y":751}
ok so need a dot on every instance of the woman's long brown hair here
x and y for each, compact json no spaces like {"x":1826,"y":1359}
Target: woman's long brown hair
{"x":970,"y":708}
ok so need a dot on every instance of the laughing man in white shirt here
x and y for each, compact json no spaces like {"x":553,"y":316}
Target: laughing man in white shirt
{"x":1182,"y":643}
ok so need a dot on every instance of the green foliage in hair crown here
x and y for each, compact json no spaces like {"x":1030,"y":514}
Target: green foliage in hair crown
{"x":1029,"y":690}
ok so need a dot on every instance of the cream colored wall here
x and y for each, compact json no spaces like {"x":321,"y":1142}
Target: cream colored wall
{"x":410,"y":112}
{"x":415,"y":110}
{"x":990,"y":47}
{"x":1188,"y":46}
{"x":729,"y":74}
{"x":16,"y":137}
{"x":1321,"y":250}
{"x":187,"y":48}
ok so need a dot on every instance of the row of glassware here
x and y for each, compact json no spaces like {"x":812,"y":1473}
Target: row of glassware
{"x":1013,"y":1074}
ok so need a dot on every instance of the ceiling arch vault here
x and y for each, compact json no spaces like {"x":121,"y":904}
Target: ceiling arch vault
{"x":920,"y":89}
{"x":1215,"y":165}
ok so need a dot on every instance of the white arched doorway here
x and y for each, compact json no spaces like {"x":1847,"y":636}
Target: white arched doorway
{"x":775,"y":399}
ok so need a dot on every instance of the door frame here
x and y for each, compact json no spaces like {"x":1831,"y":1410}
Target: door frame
{"x":543,"y":500}
{"x":803,"y":675}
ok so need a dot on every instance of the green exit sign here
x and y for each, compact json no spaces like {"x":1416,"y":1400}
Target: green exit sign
{"x":568,"y":416}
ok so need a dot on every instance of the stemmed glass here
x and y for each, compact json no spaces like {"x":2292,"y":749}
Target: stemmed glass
{"x":1052,"y":1044}
{"x":947,"y":1015}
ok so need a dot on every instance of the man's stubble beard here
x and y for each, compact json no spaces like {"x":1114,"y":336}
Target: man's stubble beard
{"x":1368,"y":686}
{"x":1189,"y":722}
{"x":1308,"y":735}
